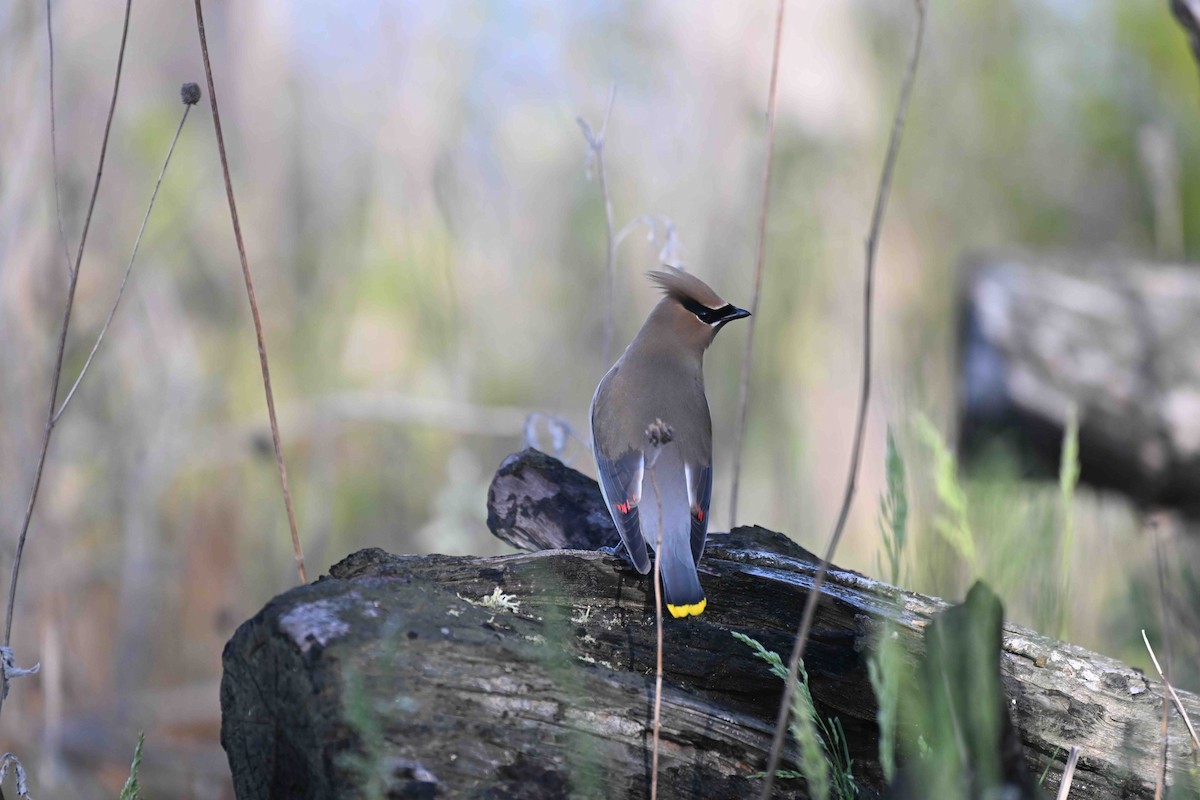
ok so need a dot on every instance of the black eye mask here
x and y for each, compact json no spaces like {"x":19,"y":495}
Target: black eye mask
{"x":711,"y":316}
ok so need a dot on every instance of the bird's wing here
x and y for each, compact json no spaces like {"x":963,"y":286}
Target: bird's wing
{"x":699,"y":488}
{"x":621,"y":485}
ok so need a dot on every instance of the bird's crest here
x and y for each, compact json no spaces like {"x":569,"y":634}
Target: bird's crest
{"x":684,"y":286}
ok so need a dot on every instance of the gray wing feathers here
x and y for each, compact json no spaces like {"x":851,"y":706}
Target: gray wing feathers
{"x":620,"y":483}
{"x":702,"y":480}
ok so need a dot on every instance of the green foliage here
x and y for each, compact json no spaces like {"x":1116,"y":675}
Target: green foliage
{"x":952,"y":523}
{"x":1029,"y":526}
{"x":885,"y":669}
{"x":131,"y":790}
{"x":1193,"y":783}
{"x":893,"y":514}
{"x":844,"y":786}
{"x":1049,"y":764}
{"x":814,"y":764}
{"x":368,"y":763}
{"x":783,"y":774}
{"x":778,"y":668}
{"x":1019,"y":555}
{"x":585,"y":758}
{"x":825,"y":762}
{"x":1068,"y":479}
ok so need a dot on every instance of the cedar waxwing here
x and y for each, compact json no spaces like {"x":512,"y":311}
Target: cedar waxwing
{"x":659,"y":383}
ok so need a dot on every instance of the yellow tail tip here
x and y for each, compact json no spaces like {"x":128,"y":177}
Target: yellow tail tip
{"x":686,"y":611}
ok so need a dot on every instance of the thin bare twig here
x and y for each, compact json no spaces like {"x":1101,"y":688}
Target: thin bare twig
{"x":1168,"y":635}
{"x":1160,"y":779}
{"x":258,"y":329}
{"x":595,"y":142}
{"x":669,"y":252}
{"x":658,"y":435}
{"x":1155,"y":529}
{"x":62,"y":230}
{"x":128,"y":269}
{"x":810,"y":605}
{"x":658,"y":619}
{"x":739,"y":430}
{"x":1174,"y":696}
{"x":1068,"y":777}
{"x":62,"y":344}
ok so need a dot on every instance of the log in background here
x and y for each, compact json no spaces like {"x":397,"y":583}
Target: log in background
{"x":1111,"y":337}
{"x":396,"y":676}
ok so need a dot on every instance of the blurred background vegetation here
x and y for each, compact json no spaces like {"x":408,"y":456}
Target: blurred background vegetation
{"x":429,"y":254}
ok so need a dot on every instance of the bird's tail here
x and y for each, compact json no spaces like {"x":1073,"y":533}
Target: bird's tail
{"x":665,"y":500}
{"x":681,"y":584}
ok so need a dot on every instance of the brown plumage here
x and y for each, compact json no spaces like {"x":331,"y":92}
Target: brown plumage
{"x":660,"y":378}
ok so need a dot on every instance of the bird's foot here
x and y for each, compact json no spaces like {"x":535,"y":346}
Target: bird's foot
{"x":620,"y":552}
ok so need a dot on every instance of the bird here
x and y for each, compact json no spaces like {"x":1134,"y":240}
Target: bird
{"x":651,"y":427}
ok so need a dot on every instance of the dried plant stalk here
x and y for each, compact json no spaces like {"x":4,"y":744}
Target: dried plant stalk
{"x":739,"y":430}
{"x":137,"y":242}
{"x":62,"y":229}
{"x":62,"y":344}
{"x":1064,"y":786}
{"x":810,"y":605}
{"x":658,"y":620}
{"x":258,"y":329}
{"x":595,"y":143}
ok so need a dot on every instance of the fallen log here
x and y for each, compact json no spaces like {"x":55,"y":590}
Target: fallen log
{"x":531,"y":675}
{"x":1115,"y":339}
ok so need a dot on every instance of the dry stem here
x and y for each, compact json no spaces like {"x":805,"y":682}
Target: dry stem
{"x":1167,"y":636}
{"x":128,"y":269}
{"x":258,"y":329}
{"x":62,"y":343}
{"x":810,"y":605}
{"x":595,"y":142}
{"x":739,"y":430}
{"x":62,"y":230}
{"x":1068,"y":776}
{"x":658,"y":617}
{"x":1174,"y":697}
{"x":1160,"y":780}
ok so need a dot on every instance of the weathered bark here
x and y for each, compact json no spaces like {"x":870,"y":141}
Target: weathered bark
{"x":536,"y":502}
{"x":401,"y":669}
{"x":1116,"y":340}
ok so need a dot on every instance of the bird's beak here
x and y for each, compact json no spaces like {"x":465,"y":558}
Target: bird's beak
{"x":730,"y":316}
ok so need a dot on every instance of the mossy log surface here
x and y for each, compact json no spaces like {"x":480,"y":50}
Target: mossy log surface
{"x":532,"y":675}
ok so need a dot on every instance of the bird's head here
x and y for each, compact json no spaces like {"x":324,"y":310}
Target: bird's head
{"x":691,"y":309}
